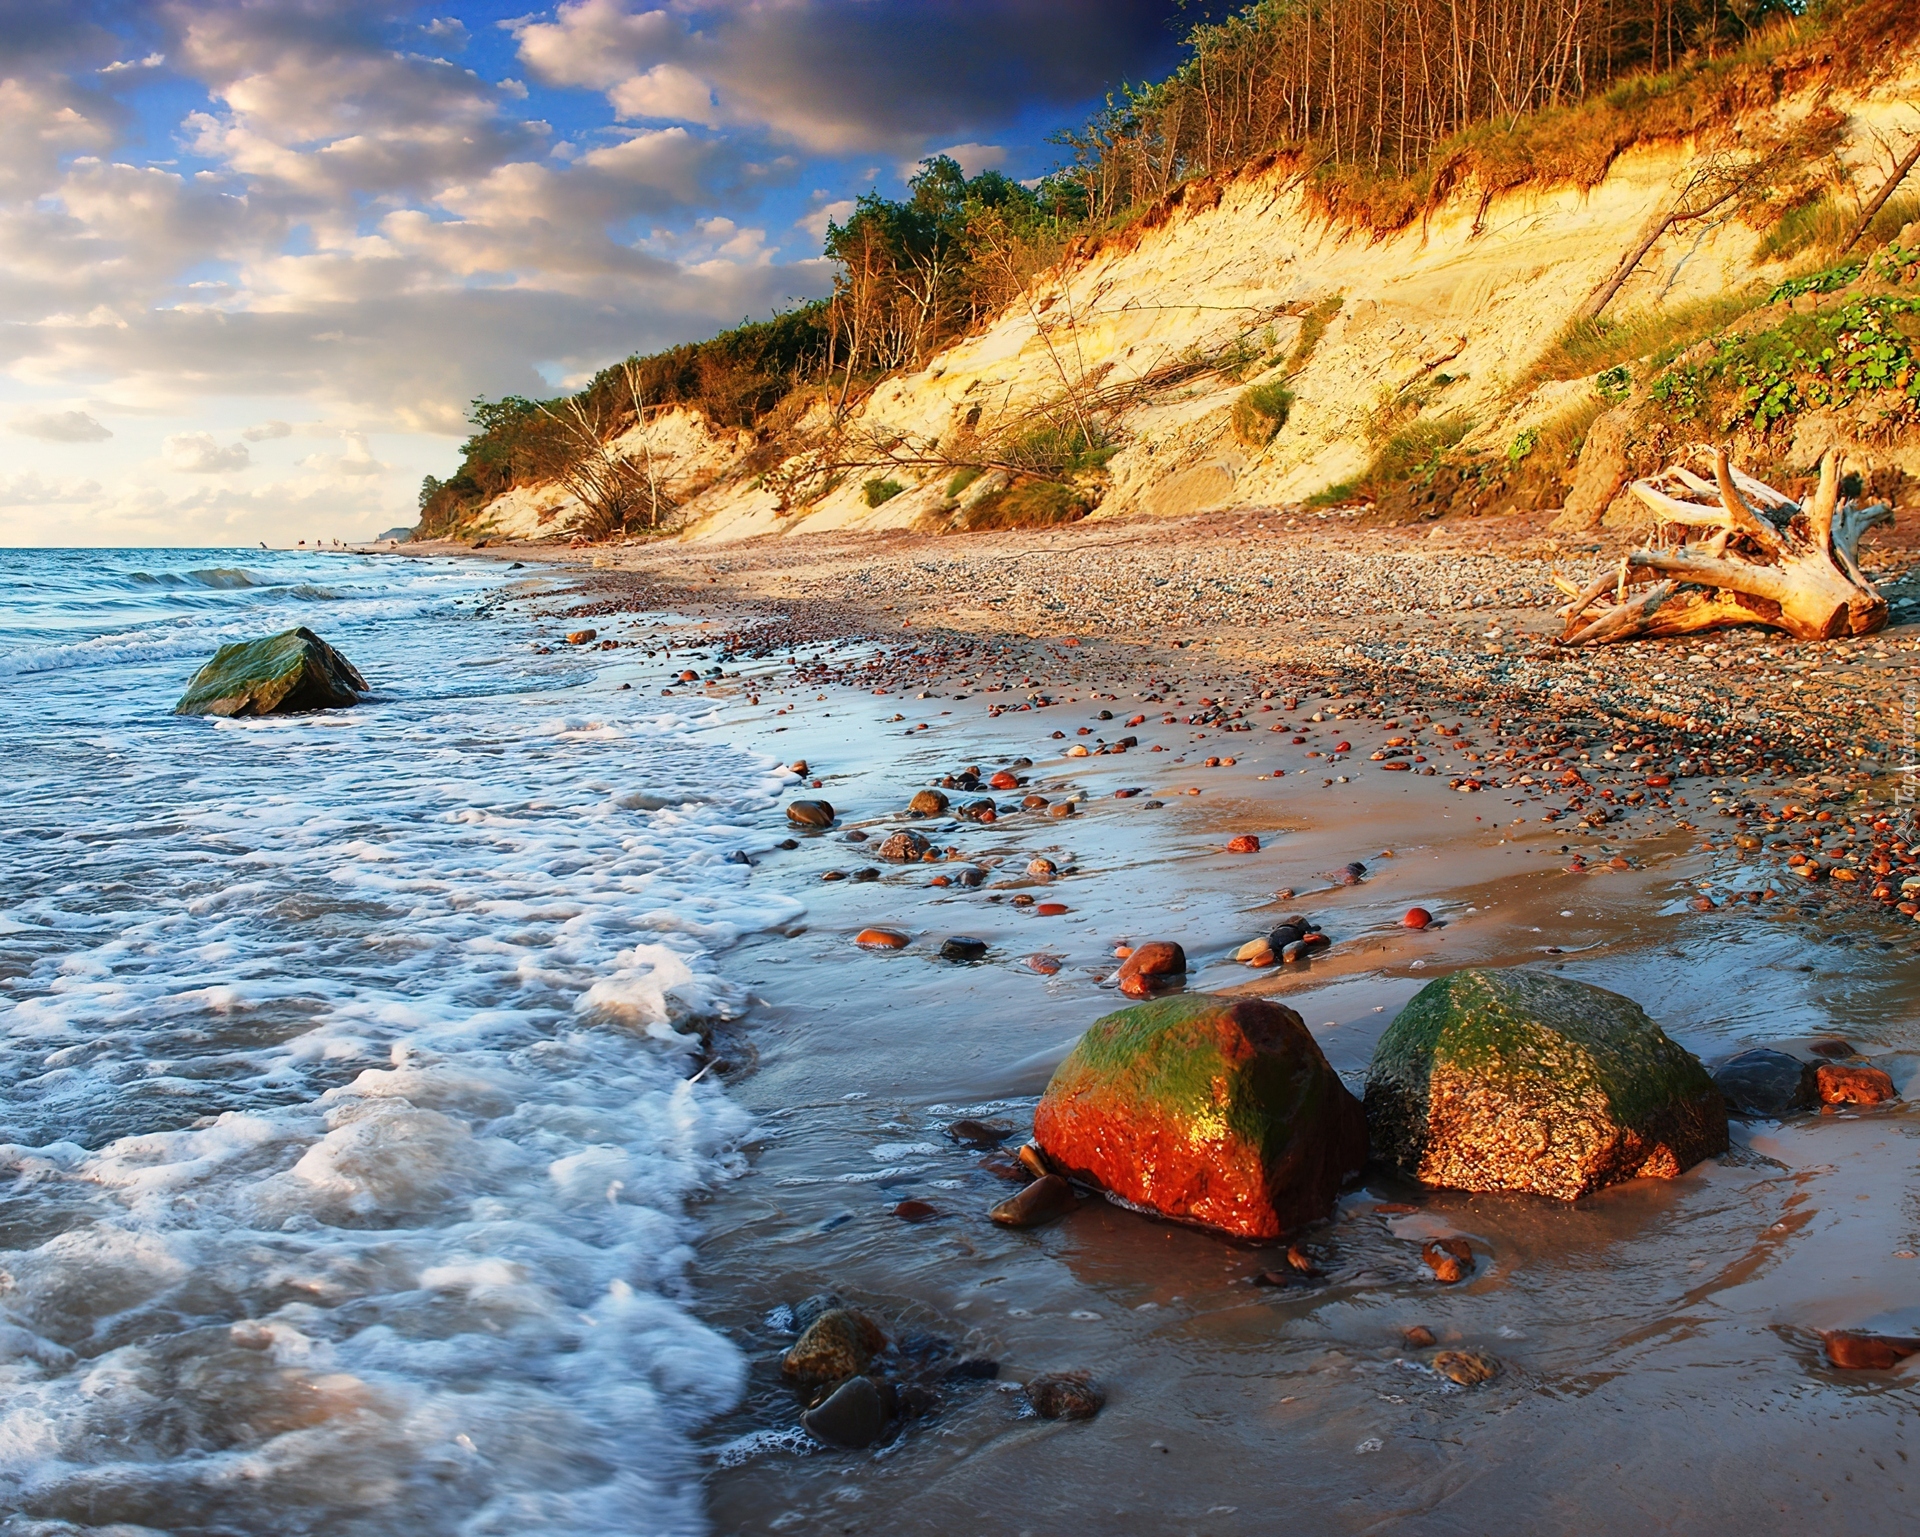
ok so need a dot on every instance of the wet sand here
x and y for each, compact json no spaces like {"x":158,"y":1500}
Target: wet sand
{"x":1661,"y":1360}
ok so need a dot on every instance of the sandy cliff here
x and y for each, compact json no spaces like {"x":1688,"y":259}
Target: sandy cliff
{"x":1445,"y":317}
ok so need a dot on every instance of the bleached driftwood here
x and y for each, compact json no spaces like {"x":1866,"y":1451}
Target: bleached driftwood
{"x":1750,"y":555}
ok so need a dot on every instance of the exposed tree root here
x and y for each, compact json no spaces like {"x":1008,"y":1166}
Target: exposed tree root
{"x":1749,"y":556}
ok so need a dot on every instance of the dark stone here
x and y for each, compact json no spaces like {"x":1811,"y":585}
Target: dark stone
{"x":1042,"y":1201}
{"x":1768,"y":1083}
{"x":973,"y":1369}
{"x":292,"y":671}
{"x":854,"y":1415}
{"x":1065,"y":1396}
{"x":980,"y":1133}
{"x":963,"y":948}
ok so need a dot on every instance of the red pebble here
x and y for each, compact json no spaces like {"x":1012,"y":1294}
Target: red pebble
{"x":1046,"y":965}
{"x":1052,"y":909}
{"x":1003,"y":781}
{"x":914,"y":1211}
{"x":1416,"y":918}
{"x":1343,"y":747}
{"x":1245,"y":843}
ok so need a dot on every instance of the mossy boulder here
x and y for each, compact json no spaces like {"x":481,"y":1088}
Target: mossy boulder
{"x":1216,"y":1111}
{"x":1519,"y":1080}
{"x":294,"y":670}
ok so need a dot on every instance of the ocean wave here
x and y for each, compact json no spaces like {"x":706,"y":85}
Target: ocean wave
{"x":361,"y":1110}
{"x":219,"y":578}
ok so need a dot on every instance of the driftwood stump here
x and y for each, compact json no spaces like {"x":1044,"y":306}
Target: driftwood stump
{"x":1749,"y":555}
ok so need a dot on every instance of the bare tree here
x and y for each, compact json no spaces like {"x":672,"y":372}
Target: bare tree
{"x":611,"y":488}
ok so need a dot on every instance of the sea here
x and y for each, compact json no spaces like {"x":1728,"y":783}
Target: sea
{"x":353,"y":1126}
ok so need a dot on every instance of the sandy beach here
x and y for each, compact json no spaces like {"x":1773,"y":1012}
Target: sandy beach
{"x":1625,"y":817}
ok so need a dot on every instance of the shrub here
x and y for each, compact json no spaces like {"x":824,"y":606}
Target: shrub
{"x":1027,"y":504}
{"x":1414,"y":453}
{"x":1312,"y":327}
{"x":1260,"y":413}
{"x":878,"y":492}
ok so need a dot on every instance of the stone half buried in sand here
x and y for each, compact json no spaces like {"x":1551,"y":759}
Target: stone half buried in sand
{"x":1221,"y":1112}
{"x":1518,"y":1080}
{"x":280,"y":674}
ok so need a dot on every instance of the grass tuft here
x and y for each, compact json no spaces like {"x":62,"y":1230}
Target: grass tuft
{"x":879,"y":492}
{"x":1260,"y":413}
{"x":1587,"y":347}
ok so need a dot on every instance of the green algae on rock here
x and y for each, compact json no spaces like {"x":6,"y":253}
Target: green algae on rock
{"x":1517,"y":1080}
{"x":1221,"y":1112}
{"x":294,"y":670}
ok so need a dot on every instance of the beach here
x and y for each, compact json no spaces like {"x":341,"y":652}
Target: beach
{"x":1659,"y":1341}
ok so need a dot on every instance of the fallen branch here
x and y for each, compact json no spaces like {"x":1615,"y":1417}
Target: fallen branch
{"x":1900,"y":173}
{"x":1764,"y":560}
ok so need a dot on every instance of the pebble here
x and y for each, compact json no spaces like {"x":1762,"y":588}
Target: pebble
{"x":980,"y":1133}
{"x":915,"y":1211}
{"x":927,"y":803}
{"x":810,"y":813}
{"x":1066,"y":1396}
{"x":1060,"y":809}
{"x":1003,"y":781}
{"x":1052,"y":909}
{"x":880,"y":939}
{"x":1243,"y":843}
{"x":838,"y":1344}
{"x":1416,"y":918}
{"x":1765,"y":1083}
{"x":1857,"y":1351}
{"x":962,"y":947}
{"x":1831,"y":1046}
{"x":1042,"y":869}
{"x":1046,"y":965}
{"x":1034,"y":803}
{"x":1419,"y":1337}
{"x":1046,"y":1198}
{"x":581,"y":637}
{"x":1151,"y":965}
{"x":1469,"y":1368}
{"x":1847,"y":1084}
{"x":904,"y":846}
{"x":1033,"y":1160}
{"x":1255,"y":952}
{"x":854,"y":1415}
{"x":1450,"y":1260}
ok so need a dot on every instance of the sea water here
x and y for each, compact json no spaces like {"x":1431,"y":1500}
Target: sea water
{"x":348,"y":1063}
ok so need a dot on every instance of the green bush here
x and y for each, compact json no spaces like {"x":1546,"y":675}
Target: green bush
{"x":1027,"y":504}
{"x":878,"y":492}
{"x":1260,"y":413}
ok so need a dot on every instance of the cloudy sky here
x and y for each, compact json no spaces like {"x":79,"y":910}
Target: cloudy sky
{"x":259,"y":254}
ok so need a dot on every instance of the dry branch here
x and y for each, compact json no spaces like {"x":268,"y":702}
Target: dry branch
{"x":1764,"y":559}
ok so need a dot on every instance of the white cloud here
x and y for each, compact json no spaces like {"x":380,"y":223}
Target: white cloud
{"x":31,"y":490}
{"x":971,"y":158}
{"x":61,"y":427}
{"x":263,"y":431}
{"x":196,"y":453}
{"x":356,"y":461}
{"x":836,"y":212}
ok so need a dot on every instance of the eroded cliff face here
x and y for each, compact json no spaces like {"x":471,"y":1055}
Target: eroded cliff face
{"x":1444,"y":319}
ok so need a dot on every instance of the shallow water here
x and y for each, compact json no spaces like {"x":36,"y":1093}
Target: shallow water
{"x":344,"y":1065}
{"x":1662,"y":1368}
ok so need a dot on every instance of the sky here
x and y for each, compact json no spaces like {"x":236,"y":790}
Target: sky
{"x":256,"y":257}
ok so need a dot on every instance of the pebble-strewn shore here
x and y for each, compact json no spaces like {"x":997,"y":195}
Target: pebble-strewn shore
{"x":1460,"y":616}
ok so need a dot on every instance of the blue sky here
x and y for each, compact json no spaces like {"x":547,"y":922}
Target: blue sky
{"x":259,"y":255}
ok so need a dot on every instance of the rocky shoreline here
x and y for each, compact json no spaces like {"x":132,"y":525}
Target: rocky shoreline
{"x":1012,"y":797}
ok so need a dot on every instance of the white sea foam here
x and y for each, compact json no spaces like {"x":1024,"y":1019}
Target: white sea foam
{"x":345,"y":1093}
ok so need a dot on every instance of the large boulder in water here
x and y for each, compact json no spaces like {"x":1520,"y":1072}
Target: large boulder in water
{"x":1518,"y":1080}
{"x":1216,"y":1111}
{"x":294,"y":670}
